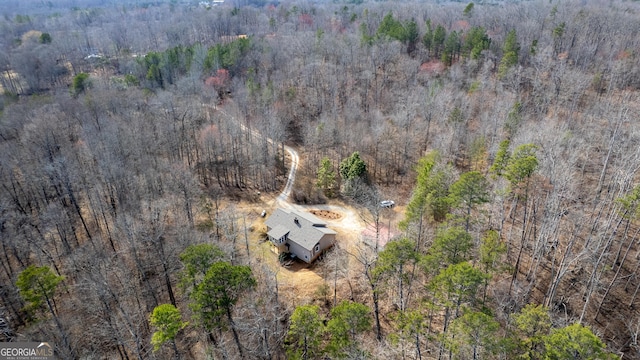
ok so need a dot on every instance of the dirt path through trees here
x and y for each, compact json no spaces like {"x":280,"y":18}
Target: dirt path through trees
{"x":298,"y":281}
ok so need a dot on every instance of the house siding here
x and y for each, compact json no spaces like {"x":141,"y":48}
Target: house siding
{"x":327,"y":241}
{"x":300,"y":252}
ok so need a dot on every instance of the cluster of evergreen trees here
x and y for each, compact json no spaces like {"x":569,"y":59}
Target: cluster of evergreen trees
{"x":162,"y":69}
{"x":438,"y":43}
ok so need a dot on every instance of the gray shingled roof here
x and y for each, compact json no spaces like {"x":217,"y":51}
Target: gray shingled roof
{"x":278,"y":231}
{"x":306,"y":232}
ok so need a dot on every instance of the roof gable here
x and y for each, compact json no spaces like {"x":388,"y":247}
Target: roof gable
{"x":278,"y":231}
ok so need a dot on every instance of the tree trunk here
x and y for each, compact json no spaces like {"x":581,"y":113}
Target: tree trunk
{"x":615,"y":277}
{"x":265,"y":339}
{"x":215,"y":343}
{"x":522,"y":238}
{"x":596,"y":273}
{"x":606,"y":160}
{"x":376,"y":312}
{"x":444,"y":330}
{"x":236,"y":338}
{"x":63,"y":333}
{"x":175,"y":349}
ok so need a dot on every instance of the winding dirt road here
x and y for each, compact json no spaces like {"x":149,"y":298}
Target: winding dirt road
{"x":350,"y":220}
{"x":283,"y":198}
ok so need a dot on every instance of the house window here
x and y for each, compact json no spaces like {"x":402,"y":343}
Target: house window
{"x":317,"y":249}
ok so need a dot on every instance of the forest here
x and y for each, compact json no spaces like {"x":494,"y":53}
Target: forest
{"x":140,"y":140}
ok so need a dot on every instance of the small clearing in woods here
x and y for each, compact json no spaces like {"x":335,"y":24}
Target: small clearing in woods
{"x":299,"y":282}
{"x":302,"y":283}
{"x":385,"y":233}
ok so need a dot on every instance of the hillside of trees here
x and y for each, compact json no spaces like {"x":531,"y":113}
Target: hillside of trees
{"x":131,"y":132}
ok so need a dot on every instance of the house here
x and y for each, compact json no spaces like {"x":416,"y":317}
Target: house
{"x":299,"y":233}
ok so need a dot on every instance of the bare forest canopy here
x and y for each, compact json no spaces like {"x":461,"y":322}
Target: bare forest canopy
{"x":134,"y":134}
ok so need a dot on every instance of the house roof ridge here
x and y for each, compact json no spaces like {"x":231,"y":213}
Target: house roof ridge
{"x":314,"y":220}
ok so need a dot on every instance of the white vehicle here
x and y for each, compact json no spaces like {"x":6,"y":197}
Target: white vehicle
{"x":387,"y":203}
{"x":93,"y":56}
